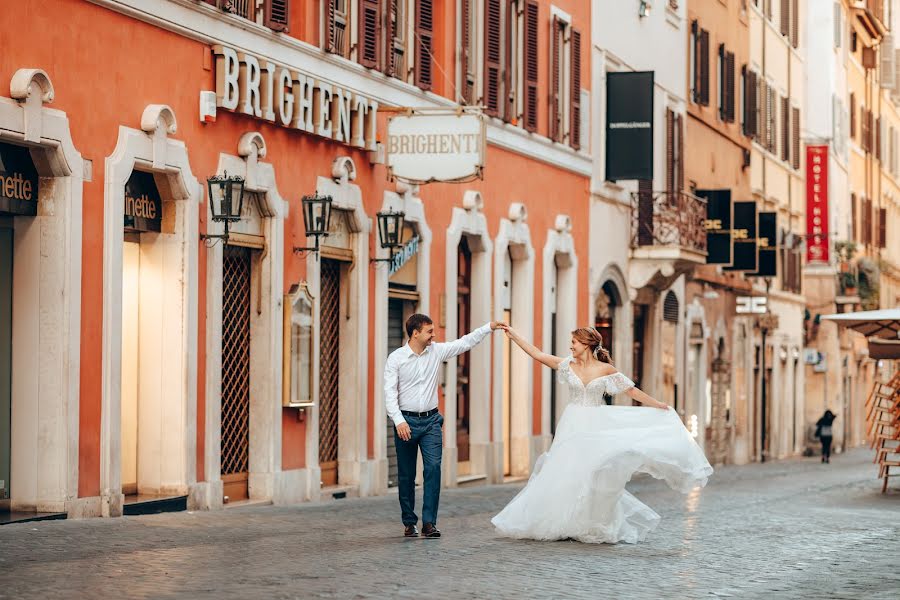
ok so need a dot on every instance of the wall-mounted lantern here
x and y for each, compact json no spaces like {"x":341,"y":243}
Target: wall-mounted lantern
{"x":316,"y":219}
{"x":226,"y":201}
{"x":390,"y":232}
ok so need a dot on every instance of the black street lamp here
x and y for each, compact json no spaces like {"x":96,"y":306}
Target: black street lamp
{"x":226,"y":201}
{"x":390,"y":231}
{"x":316,"y":219}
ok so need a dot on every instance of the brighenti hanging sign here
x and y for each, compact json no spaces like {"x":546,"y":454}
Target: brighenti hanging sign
{"x":427,"y":145}
{"x":260,"y":88}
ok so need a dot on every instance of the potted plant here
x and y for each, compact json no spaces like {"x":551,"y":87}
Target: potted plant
{"x":848,"y":283}
{"x":845,"y":250}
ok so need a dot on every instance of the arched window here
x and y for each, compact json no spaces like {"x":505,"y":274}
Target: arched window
{"x":670,"y":308}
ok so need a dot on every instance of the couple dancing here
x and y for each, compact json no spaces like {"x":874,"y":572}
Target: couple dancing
{"x":577,"y":489}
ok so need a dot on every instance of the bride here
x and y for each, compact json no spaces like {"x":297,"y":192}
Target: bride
{"x":577,"y":490}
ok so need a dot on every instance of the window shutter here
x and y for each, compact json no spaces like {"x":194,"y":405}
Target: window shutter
{"x":853,"y":217}
{"x":720,"y":74}
{"x":531,"y":65}
{"x":695,"y":66}
{"x":785,"y":129}
{"x":679,"y":152}
{"x":870,"y":123}
{"x":467,"y":84}
{"x":390,"y":57}
{"x":795,"y":24}
{"x":510,"y":55}
{"x":370,"y":33}
{"x":853,"y":116}
{"x":882,"y":228}
{"x":752,"y":105}
{"x":704,"y":67}
{"x":878,"y":138}
{"x":867,"y":222}
{"x":276,"y":14}
{"x":575,"y":95}
{"x":795,"y":147}
{"x":729,"y":87}
{"x":556,"y":65}
{"x":424,"y":37}
{"x":785,"y":17}
{"x":670,"y":151}
{"x":492,"y":61}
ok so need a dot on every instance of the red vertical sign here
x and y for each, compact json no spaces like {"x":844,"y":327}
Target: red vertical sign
{"x":817,"y":204}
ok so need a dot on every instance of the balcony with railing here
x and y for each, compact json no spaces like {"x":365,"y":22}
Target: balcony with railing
{"x":668,"y":237}
{"x":872,"y":16}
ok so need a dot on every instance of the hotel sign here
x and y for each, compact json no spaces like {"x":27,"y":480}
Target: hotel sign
{"x":18,"y":181}
{"x":290,"y":98}
{"x":817,"y":204}
{"x":766,"y":246}
{"x":143,"y":205}
{"x":427,"y":147}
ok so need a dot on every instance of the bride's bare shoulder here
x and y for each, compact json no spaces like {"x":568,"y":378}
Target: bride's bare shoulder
{"x":608,"y":369}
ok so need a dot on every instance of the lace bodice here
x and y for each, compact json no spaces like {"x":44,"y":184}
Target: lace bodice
{"x":592,"y":393}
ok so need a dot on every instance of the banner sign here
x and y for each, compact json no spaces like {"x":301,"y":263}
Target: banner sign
{"x":743,"y":247}
{"x":401,"y":258}
{"x":18,"y":181}
{"x":817,"y":204}
{"x":143,"y":205}
{"x":717,"y":225}
{"x":629,"y":125}
{"x":767,"y":245}
{"x":426,"y":147}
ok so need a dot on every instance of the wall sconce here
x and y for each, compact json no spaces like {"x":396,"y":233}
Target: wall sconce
{"x":390,"y":231}
{"x":226,"y":202}
{"x":645,"y":8}
{"x":316,"y":220}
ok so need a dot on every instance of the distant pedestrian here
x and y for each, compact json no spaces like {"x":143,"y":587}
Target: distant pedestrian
{"x":824,"y":433}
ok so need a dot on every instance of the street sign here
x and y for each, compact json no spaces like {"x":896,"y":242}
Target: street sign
{"x":751,"y":305}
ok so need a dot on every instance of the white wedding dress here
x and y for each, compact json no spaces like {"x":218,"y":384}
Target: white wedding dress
{"x":577,"y":489}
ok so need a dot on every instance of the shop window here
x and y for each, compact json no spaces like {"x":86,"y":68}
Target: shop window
{"x":298,"y":347}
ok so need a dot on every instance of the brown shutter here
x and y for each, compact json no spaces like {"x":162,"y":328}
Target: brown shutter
{"x":424,"y":36}
{"x":795,"y":151}
{"x":531,"y":64}
{"x":468,"y":90}
{"x":389,"y":18}
{"x":679,"y":150}
{"x":854,"y":216}
{"x":695,"y":84}
{"x":276,"y":14}
{"x":752,"y":105}
{"x":795,"y":24}
{"x":729,"y":87}
{"x":492,"y":57}
{"x":878,"y":138}
{"x":329,"y":44}
{"x":785,"y":129}
{"x":670,"y":152}
{"x":720,"y":75}
{"x":575,"y":95}
{"x":509,"y":62}
{"x":704,"y":67}
{"x":555,"y":66}
{"x":867,"y":222}
{"x":870,"y":123}
{"x":853,"y":115}
{"x":213,"y":2}
{"x":882,"y":227}
{"x":785,"y":17}
{"x":370,"y":33}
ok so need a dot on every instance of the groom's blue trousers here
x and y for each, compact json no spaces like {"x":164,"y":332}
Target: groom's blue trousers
{"x":427,"y":437}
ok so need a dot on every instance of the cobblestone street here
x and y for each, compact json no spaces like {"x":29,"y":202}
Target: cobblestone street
{"x":792,"y":529}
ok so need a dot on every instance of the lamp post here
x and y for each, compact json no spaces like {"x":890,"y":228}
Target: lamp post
{"x":226,"y":201}
{"x":316,"y":220}
{"x":390,"y":231}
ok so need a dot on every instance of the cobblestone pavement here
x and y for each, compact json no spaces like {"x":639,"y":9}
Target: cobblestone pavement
{"x":791,"y":529}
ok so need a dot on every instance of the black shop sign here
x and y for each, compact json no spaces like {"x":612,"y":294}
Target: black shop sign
{"x":767,"y":246}
{"x":18,"y":181}
{"x":718,"y":226}
{"x":629,"y":125}
{"x":143,"y":205}
{"x":743,"y":237}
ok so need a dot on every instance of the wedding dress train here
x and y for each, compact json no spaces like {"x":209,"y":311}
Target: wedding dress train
{"x":577,"y":488}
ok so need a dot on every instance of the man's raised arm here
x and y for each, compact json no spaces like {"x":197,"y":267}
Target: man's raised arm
{"x":466,"y":342}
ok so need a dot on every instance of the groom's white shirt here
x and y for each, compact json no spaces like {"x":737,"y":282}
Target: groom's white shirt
{"x":411,"y":380}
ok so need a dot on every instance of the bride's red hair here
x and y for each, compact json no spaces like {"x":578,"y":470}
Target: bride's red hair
{"x":590,"y":337}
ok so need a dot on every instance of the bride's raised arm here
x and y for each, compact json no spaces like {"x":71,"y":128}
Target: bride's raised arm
{"x":547,"y":359}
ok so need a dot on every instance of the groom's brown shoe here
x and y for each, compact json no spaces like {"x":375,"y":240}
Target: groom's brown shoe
{"x":430,"y":531}
{"x":411,"y":531}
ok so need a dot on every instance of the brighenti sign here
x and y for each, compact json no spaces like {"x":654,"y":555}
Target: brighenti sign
{"x":260,"y":88}
{"x":436,"y":145}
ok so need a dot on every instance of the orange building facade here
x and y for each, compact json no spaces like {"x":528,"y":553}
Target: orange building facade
{"x":149,"y":359}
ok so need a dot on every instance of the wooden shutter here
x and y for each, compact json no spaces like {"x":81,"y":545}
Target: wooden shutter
{"x":492,"y":57}
{"x":531,"y":64}
{"x":729,"y":87}
{"x":720,"y":73}
{"x":785,"y":17}
{"x":752,"y":105}
{"x":679,"y":153}
{"x":424,"y":38}
{"x":853,"y":116}
{"x":795,"y":146}
{"x":509,"y":61}
{"x":575,"y":95}
{"x":390,"y":17}
{"x":370,"y":33}
{"x":795,"y":24}
{"x":870,"y":123}
{"x":785,"y":129}
{"x":867,"y":222}
{"x":882,"y":228}
{"x":695,"y":40}
{"x":670,"y":151}
{"x":465,"y":80}
{"x":555,"y":67}
{"x":878,"y":138}
{"x":277,"y":14}
{"x":704,"y":67}
{"x":854,"y":216}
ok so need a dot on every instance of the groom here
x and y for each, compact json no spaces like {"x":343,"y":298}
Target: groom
{"x":410,"y":396}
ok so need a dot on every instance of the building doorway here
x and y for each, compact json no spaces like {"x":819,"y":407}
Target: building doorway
{"x":235,"y":442}
{"x":329,"y":369}
{"x":506,"y":349}
{"x":6,"y":296}
{"x":464,"y":325}
{"x":669,"y":351}
{"x":399,"y":310}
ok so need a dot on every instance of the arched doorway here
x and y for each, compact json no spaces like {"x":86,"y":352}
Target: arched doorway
{"x":669,"y":351}
{"x":606,"y":310}
{"x":464,"y":324}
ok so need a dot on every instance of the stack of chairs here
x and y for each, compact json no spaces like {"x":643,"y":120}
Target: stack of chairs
{"x":883,"y":427}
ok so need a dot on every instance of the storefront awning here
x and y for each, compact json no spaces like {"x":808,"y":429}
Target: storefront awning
{"x":871,"y":323}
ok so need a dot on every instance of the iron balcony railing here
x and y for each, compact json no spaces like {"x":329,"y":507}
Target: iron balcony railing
{"x":668,"y":219}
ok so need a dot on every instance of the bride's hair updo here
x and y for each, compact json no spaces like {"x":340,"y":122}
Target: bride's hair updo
{"x":590,"y":337}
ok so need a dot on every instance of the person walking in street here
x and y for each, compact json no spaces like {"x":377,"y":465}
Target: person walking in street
{"x":825,"y":434}
{"x":577,"y":489}
{"x":411,"y":400}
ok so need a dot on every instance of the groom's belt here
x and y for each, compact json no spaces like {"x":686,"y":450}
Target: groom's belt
{"x":410,"y":413}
